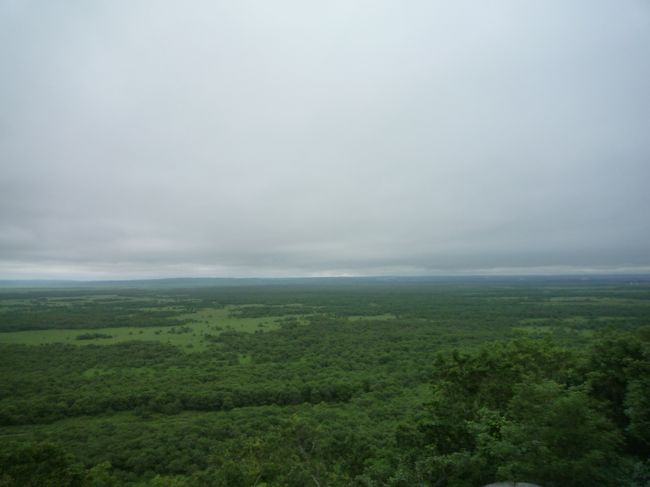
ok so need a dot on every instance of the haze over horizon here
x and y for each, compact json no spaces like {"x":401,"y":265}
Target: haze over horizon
{"x":275,"y":139}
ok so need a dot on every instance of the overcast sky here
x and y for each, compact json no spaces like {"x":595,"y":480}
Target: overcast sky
{"x":360,"y":137}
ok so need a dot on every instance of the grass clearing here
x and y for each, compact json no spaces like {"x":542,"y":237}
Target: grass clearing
{"x":189,"y":337}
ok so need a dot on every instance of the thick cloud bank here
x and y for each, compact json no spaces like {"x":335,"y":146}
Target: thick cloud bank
{"x":161,"y":138}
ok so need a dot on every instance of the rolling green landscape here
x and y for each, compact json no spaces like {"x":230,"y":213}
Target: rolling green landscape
{"x":326,"y":382}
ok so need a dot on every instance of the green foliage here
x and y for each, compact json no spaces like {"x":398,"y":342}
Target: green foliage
{"x":93,"y":336}
{"x":529,"y":411}
{"x":100,"y":476}
{"x":555,"y":437}
{"x":39,"y":465}
{"x":456,"y":383}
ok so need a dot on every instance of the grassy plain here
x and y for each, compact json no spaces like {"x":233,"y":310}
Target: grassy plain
{"x":189,"y":337}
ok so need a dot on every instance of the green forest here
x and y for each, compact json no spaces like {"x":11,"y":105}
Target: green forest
{"x":326,"y":382}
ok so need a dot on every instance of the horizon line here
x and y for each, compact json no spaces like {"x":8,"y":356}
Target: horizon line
{"x":577,"y":275}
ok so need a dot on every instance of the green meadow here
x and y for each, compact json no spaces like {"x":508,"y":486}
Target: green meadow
{"x":189,"y":337}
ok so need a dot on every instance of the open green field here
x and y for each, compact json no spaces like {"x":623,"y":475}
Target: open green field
{"x":189,"y":337}
{"x":355,"y":382}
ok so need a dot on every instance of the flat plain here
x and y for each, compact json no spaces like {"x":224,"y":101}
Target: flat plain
{"x":323,"y":382}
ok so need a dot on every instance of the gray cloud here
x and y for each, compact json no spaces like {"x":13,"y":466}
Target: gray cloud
{"x":317,"y":138}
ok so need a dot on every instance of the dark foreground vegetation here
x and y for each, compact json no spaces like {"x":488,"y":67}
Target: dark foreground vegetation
{"x":327,"y":383}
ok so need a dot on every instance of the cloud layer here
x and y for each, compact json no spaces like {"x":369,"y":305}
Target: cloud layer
{"x":142,"y":139}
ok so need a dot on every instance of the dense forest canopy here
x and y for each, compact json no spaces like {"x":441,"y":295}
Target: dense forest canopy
{"x":363,"y":382}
